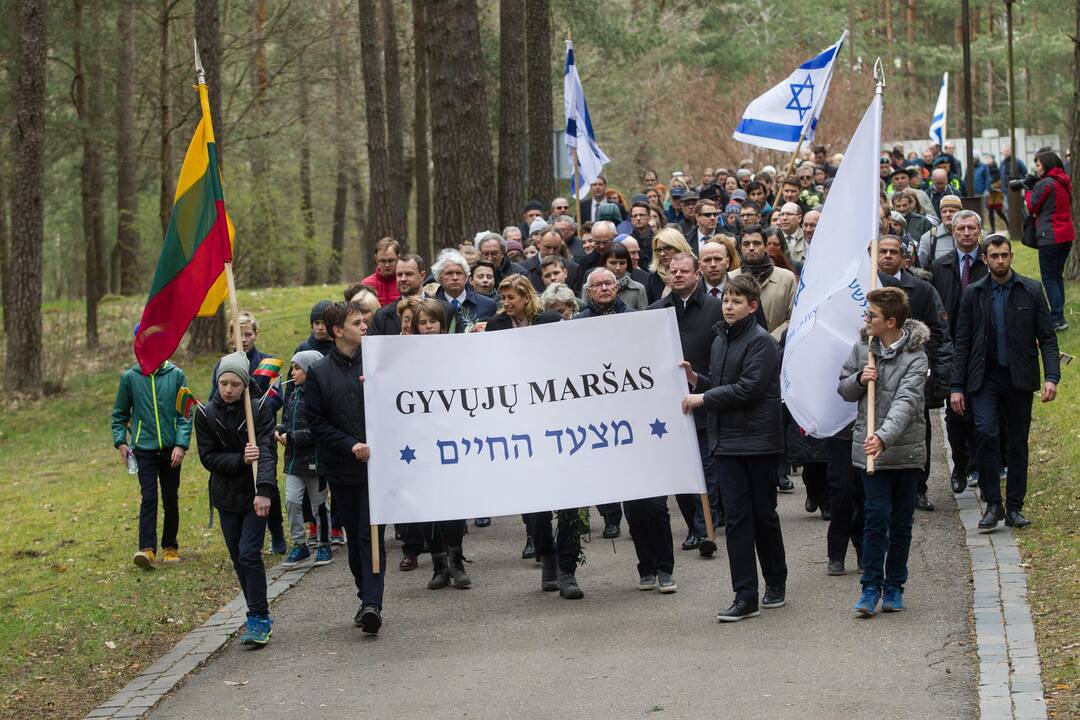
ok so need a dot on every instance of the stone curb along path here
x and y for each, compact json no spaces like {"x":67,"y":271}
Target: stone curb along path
{"x":1010,"y":679}
{"x":138,"y":696}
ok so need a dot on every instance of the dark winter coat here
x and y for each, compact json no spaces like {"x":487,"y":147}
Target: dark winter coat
{"x":260,"y":384}
{"x":301,"y":457}
{"x":476,"y":307}
{"x":387,"y":321}
{"x":945,"y":277}
{"x":221,"y":429}
{"x":618,"y":307}
{"x":742,"y":391}
{"x":334,"y":408}
{"x":574,"y":276}
{"x":1028,"y":331}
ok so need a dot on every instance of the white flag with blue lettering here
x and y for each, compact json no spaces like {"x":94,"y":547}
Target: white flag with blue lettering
{"x":579,"y":130}
{"x":790,"y":110}
{"x":941,"y":111}
{"x":831,"y":298}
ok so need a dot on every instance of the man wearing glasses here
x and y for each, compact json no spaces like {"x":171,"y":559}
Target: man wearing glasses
{"x":705,"y":215}
{"x":750,"y":214}
{"x":559,"y":206}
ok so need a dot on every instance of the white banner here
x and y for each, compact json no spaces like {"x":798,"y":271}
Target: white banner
{"x":554,"y":416}
{"x":832,"y":290}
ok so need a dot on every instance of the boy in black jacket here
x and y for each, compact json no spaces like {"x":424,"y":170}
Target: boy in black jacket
{"x":335,"y":411}
{"x":741,"y":394}
{"x":301,"y":471}
{"x":242,"y":505}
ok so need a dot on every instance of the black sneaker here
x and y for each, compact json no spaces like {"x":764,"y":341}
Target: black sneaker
{"x":773,"y":598}
{"x":810,"y":505}
{"x":482,"y":522}
{"x":369,"y":619}
{"x":990,"y":519}
{"x":923,"y":503}
{"x":665,"y":583}
{"x":1013,"y":518}
{"x":706,"y":547}
{"x":784,"y":485}
{"x":529,"y":551}
{"x":959,"y":481}
{"x":836,"y":567}
{"x":692,"y":541}
{"x":612,"y":531}
{"x":739,"y":610}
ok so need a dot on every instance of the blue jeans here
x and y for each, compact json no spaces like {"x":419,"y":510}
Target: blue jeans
{"x":890,"y":507}
{"x":1052,"y":267}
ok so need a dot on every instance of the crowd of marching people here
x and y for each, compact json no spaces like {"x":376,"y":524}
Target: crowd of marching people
{"x":952,"y":326}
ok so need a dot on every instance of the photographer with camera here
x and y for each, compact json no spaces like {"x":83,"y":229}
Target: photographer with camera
{"x":1049,"y":204}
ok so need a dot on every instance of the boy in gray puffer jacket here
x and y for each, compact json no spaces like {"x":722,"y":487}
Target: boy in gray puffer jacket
{"x":896,"y":442}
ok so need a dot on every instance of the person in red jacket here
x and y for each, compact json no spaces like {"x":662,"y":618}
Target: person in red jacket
{"x":384,"y":279}
{"x":1049,"y":201}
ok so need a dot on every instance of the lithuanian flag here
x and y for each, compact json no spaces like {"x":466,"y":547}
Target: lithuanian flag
{"x":269,"y":368}
{"x":190,"y":275}
{"x":185,"y":400}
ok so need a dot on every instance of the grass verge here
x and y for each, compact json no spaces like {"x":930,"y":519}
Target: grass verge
{"x":1050,"y":548}
{"x":78,"y":619}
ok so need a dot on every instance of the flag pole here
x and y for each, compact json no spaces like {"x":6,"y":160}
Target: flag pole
{"x":575,"y":182}
{"x":871,"y":361}
{"x":230,"y":283}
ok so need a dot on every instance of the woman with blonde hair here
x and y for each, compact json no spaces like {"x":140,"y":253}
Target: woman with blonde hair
{"x":667,"y":243}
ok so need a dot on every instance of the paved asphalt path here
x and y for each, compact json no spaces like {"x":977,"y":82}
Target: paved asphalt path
{"x":505,"y":649}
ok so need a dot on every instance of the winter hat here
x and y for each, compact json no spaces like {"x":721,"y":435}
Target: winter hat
{"x":537,"y":225}
{"x":236,"y":363}
{"x":952,"y":201}
{"x":514,"y":246}
{"x":306,"y":358}
{"x":738,"y":195}
{"x":609,"y":211}
{"x":620,"y":237}
{"x":732,"y":208}
{"x":743,"y":173}
{"x":898,"y":218}
{"x":317,"y":310}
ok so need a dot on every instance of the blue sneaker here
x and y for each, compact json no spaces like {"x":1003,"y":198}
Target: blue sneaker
{"x":257,"y":631}
{"x":867,"y":604}
{"x":892,"y":600}
{"x":323,"y":555}
{"x":297,"y":555}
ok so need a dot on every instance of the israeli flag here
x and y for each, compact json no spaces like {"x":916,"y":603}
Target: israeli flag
{"x":831,"y":297}
{"x":789,"y":111}
{"x":937,"y":124}
{"x":579,"y":130}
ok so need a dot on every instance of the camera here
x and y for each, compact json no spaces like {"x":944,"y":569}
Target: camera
{"x":1019,"y":184}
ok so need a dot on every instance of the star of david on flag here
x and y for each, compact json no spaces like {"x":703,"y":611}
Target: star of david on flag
{"x":790,"y":110}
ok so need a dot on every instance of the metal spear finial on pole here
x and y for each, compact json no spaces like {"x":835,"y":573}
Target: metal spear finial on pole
{"x":200,"y":72}
{"x":871,"y":387}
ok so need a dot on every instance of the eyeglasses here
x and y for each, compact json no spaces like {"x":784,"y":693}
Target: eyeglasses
{"x":707,"y":214}
{"x":870,"y":315}
{"x":603,"y":283}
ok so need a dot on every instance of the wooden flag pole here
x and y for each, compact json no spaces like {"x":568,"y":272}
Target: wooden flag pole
{"x":575,"y":189}
{"x":238,"y":342}
{"x":710,"y":531}
{"x":871,"y":361}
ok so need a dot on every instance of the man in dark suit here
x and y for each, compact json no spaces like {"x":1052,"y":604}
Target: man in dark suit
{"x":706,"y":216}
{"x":696,"y":313}
{"x":411,"y":271}
{"x":492,"y":248}
{"x":590,"y":206}
{"x":551,"y":243}
{"x":950,"y":275}
{"x":1003,"y":325}
{"x":451,"y":272}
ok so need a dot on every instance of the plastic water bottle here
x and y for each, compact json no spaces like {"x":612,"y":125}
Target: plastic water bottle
{"x":132,"y":464}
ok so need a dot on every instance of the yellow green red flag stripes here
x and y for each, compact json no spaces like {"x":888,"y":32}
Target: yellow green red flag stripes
{"x":269,"y":368}
{"x":185,"y":400}
{"x":189,"y":279}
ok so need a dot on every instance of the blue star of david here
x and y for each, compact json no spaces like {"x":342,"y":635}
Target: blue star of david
{"x":658,"y":428}
{"x":796,"y":103}
{"x":407,"y":455}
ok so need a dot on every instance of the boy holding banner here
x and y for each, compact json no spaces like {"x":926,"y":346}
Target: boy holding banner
{"x":741,"y":394}
{"x":335,"y":413}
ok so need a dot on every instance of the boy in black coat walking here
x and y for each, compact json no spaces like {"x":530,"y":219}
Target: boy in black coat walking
{"x":335,"y":412}
{"x":741,"y":394}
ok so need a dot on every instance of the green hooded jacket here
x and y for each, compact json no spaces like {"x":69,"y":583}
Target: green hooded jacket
{"x":146,"y":407}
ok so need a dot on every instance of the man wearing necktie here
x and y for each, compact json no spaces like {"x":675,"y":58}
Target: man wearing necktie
{"x":451,"y":271}
{"x":950,"y":275}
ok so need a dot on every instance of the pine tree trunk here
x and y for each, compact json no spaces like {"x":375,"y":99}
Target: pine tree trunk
{"x":380,"y":221}
{"x":167,"y":187}
{"x":127,"y":208}
{"x":469,"y":119}
{"x":5,"y":237}
{"x":513,"y":137}
{"x":1072,"y":265}
{"x":541,"y":120}
{"x":307,"y":210}
{"x":421,"y":162}
{"x":449,"y":230}
{"x":208,"y":334}
{"x":341,"y":213}
{"x":90,"y":171}
{"x":260,"y":251}
{"x":395,"y":126}
{"x":23,"y":371}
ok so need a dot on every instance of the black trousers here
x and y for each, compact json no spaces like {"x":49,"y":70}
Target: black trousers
{"x":961,"y":432}
{"x":351,"y":499}
{"x":650,"y":526}
{"x":611,"y":512}
{"x":997,"y":399}
{"x":688,"y":506}
{"x":561,"y":543}
{"x":925,"y":474}
{"x":412,"y":538}
{"x":815,"y":477}
{"x":846,"y":500}
{"x":244,"y":533}
{"x":274,"y":520}
{"x":748,"y":487}
{"x":155,"y":466}
{"x":441,"y":535}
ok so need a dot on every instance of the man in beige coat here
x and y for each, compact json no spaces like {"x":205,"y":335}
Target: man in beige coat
{"x":778,"y":285}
